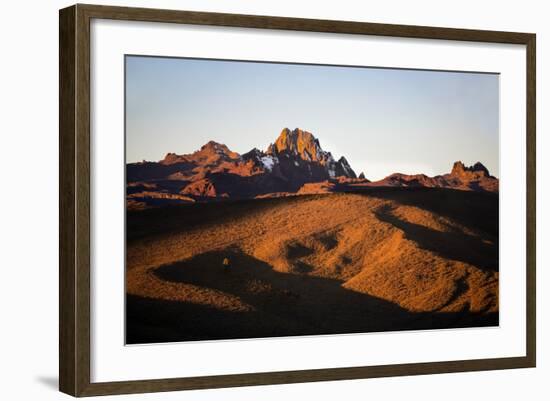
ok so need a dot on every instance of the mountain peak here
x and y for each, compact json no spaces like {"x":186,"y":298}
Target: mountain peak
{"x":215,"y":146}
{"x":216,"y":150}
{"x":344,"y":169}
{"x":299,"y":143}
{"x":211,"y":152}
{"x":172,"y":158}
{"x":478,"y":169}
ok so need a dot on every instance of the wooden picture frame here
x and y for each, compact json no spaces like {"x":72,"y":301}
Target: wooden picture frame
{"x":74,"y":204}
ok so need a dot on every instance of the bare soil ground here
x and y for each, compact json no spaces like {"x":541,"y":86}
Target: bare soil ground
{"x":380,"y":260}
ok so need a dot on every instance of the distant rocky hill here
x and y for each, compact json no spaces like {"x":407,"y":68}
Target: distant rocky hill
{"x":474,"y":178}
{"x":294,"y":164}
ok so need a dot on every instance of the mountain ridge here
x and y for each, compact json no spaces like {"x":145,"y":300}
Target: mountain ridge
{"x":295,"y":163}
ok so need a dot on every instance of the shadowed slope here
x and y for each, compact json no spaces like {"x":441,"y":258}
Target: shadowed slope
{"x":451,"y":244}
{"x":477,"y":210}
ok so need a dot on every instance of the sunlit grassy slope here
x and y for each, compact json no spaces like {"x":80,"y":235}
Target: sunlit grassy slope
{"x":388,"y":259}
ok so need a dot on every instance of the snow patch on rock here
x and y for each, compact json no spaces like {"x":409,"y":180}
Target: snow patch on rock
{"x":268,"y":162}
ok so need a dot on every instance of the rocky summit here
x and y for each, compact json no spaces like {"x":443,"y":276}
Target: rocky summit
{"x":477,"y":171}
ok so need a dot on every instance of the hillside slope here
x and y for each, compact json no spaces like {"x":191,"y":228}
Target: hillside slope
{"x":390,"y":259}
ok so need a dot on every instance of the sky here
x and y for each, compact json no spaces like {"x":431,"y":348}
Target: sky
{"x":382,"y":120}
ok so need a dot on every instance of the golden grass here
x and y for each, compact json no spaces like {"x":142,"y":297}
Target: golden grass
{"x":325,"y":263}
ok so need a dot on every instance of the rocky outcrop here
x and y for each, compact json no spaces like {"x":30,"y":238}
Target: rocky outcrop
{"x":475,"y":172}
{"x":202,"y":189}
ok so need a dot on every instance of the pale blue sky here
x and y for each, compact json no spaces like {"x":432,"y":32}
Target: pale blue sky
{"x":382,"y":120}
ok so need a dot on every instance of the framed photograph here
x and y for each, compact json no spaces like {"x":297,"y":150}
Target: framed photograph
{"x":250,"y":200}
